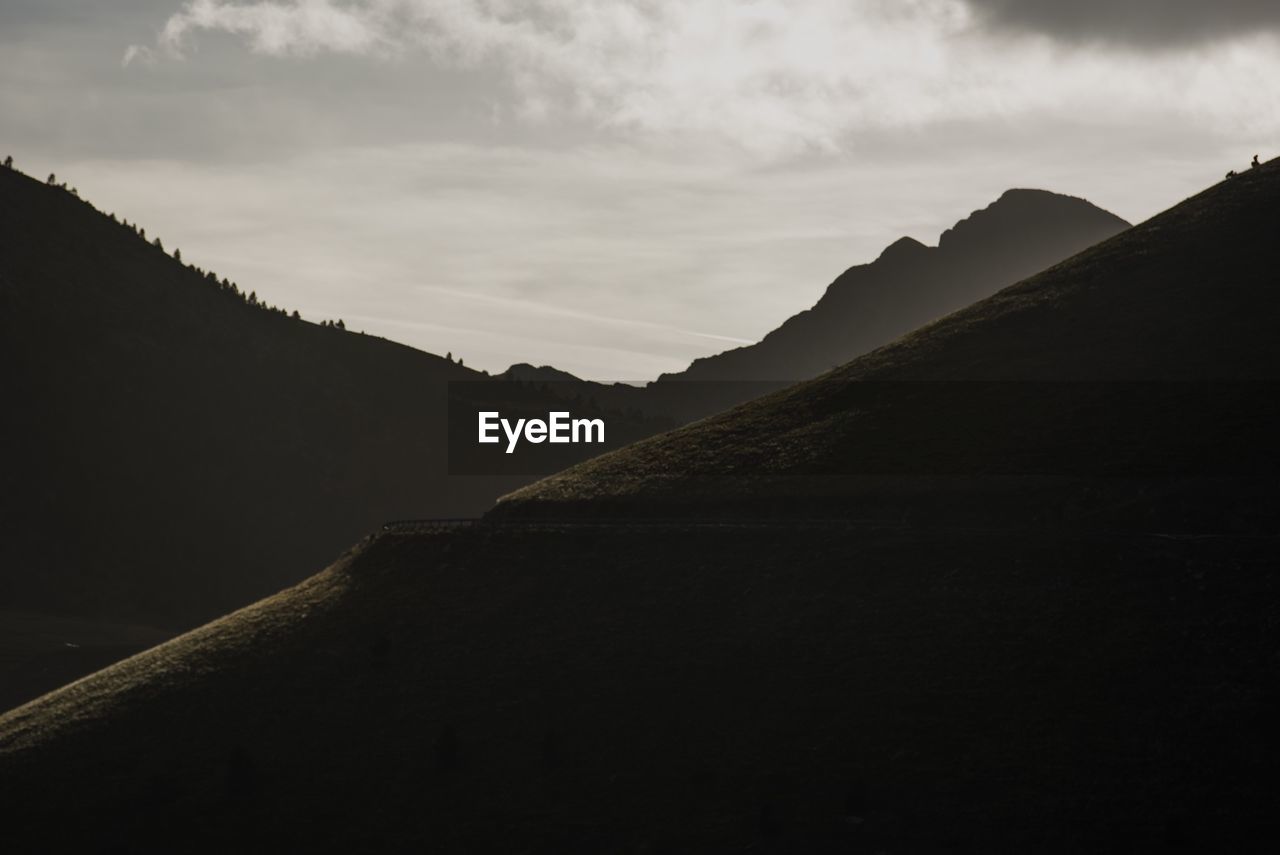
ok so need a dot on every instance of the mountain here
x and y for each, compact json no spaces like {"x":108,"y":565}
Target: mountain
{"x":156,"y":409}
{"x":523,"y":372}
{"x":176,"y":449}
{"x":907,"y":286}
{"x":1108,"y":364}
{"x":910,"y":284}
{"x":691,"y":644}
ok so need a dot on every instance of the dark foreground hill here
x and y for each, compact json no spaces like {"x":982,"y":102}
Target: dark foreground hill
{"x":174,"y":450}
{"x":910,"y":284}
{"x":753,"y":669}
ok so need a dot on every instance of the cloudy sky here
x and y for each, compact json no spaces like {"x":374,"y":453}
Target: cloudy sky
{"x":613,"y":187}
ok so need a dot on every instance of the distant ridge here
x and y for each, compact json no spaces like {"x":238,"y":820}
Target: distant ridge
{"x":910,"y":284}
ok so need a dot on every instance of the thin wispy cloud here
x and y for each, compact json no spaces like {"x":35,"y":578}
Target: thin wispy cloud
{"x":530,"y":308}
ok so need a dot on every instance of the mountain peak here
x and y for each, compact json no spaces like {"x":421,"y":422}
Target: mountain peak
{"x":1020,"y":210}
{"x":910,"y":284}
{"x":902,"y":248}
{"x":529,"y":373}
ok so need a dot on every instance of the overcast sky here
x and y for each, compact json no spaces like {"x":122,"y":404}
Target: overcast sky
{"x":618,"y":187}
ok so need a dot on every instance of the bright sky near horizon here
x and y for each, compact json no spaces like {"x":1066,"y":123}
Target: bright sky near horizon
{"x":613,"y":188}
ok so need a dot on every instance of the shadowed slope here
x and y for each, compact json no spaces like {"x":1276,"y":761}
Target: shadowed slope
{"x":686,"y":689}
{"x":174,"y":452}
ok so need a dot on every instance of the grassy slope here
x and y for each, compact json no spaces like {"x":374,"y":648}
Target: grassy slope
{"x":1188,"y":298}
{"x":39,"y":652}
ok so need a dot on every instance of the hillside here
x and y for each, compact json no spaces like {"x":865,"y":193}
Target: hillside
{"x":910,"y":284}
{"x":1150,"y":355}
{"x":175,"y":449}
{"x":1104,"y":682}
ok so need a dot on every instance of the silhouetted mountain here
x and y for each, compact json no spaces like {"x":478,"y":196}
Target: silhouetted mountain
{"x":796,"y":682}
{"x":1022,"y":232}
{"x":177,"y":449}
{"x":910,"y":284}
{"x":525,"y":373}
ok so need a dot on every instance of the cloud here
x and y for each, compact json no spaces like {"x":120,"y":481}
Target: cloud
{"x":301,"y":27}
{"x":778,"y":78}
{"x":1144,"y":23}
{"x":772,"y":74}
{"x":138,"y":53}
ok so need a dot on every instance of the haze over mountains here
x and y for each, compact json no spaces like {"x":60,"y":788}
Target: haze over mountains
{"x":752,"y":678}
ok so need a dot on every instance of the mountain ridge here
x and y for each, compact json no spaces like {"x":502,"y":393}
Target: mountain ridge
{"x":1120,"y":341}
{"x":910,"y":284}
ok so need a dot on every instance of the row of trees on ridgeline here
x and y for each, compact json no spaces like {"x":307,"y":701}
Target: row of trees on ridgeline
{"x":225,"y":285}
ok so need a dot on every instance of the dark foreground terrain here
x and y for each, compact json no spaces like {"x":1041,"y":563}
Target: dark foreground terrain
{"x":690,"y":688}
{"x":1007,"y":584}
